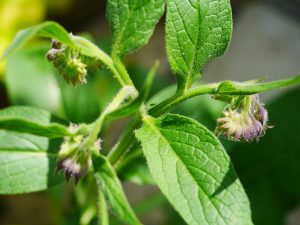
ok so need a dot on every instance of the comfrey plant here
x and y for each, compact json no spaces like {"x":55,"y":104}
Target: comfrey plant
{"x":187,"y":161}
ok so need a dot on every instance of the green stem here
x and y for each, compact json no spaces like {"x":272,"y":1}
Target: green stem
{"x":124,"y":143}
{"x":128,"y":137}
{"x":89,"y":49}
{"x":122,"y":70}
{"x":226,"y":87}
{"x":124,"y":93}
{"x":88,"y":215}
{"x":102,"y":210}
{"x":173,"y":101}
{"x":135,"y":152}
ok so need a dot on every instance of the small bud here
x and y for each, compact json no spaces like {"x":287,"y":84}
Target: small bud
{"x":98,"y":144}
{"x":74,"y":166}
{"x":73,"y":160}
{"x":246,"y":121}
{"x":92,"y":63}
{"x":75,"y":72}
{"x":56,"y":44}
{"x":70,"y":63}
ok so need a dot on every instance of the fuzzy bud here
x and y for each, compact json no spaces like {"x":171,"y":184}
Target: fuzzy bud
{"x":56,"y":44}
{"x":74,"y":159}
{"x":245,"y":121}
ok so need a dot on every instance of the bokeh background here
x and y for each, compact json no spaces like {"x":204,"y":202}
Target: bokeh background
{"x":266,"y":42}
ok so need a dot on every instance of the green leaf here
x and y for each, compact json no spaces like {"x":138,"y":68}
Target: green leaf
{"x":32,"y":120}
{"x":110,"y":185}
{"x":251,"y":87}
{"x":196,"y":31}
{"x":132,"y":23}
{"x":193,"y":170}
{"x":47,"y":29}
{"x":27,"y":163}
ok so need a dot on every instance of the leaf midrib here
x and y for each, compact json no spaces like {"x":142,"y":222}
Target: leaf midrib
{"x":122,"y":31}
{"x":149,"y":122}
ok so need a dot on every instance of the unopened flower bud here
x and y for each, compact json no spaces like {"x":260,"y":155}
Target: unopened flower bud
{"x":56,"y":44}
{"x":72,"y":168}
{"x":245,"y":121}
{"x":72,"y":160}
{"x":74,"y":157}
{"x":70,"y":63}
{"x":92,"y":63}
{"x":75,"y":72}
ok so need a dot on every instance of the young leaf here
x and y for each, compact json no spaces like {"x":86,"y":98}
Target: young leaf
{"x":110,"y":185}
{"x":246,"y":88}
{"x":194,"y":171}
{"x":27,"y":163}
{"x":132,"y":22}
{"x":32,"y":120}
{"x":47,"y":29}
{"x":196,"y":31}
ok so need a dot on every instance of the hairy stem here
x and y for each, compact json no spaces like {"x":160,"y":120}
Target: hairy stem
{"x":102,"y":210}
{"x":226,"y":87}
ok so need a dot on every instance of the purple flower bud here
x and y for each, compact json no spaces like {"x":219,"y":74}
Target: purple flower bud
{"x":73,"y":160}
{"x":247,"y":121}
{"x":73,"y":167}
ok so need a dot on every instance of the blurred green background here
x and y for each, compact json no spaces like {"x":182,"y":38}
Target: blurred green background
{"x":266,"y":42}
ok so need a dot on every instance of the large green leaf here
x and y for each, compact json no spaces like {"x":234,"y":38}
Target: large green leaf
{"x":47,"y":29}
{"x":110,"y":185}
{"x":32,"y":120}
{"x":132,"y":22}
{"x":194,"y":171}
{"x":196,"y":31}
{"x":27,"y":163}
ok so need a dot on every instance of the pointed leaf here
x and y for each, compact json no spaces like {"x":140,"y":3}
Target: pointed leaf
{"x":132,"y":22}
{"x":110,"y":185}
{"x":196,"y":31}
{"x":194,"y":171}
{"x":32,"y":120}
{"x":47,"y":29}
{"x":248,"y":88}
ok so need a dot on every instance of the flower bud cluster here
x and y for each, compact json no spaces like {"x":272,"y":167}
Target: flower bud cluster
{"x":246,"y":120}
{"x":72,"y":65}
{"x":74,"y":160}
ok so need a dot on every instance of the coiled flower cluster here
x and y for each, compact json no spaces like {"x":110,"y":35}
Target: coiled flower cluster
{"x":245,"y":120}
{"x":72,"y":65}
{"x":74,"y":160}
